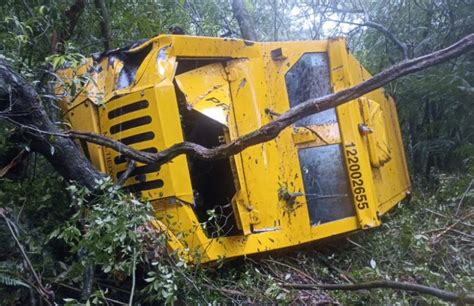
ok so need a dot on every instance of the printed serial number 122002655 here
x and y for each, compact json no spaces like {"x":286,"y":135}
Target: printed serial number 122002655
{"x":357,"y":183}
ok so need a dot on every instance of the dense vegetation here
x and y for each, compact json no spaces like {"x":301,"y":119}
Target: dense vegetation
{"x":427,"y":240}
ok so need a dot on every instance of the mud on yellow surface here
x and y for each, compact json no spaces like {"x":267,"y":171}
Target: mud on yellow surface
{"x":330,"y":173}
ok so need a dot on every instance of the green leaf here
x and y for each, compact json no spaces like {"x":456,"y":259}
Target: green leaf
{"x":9,"y":280}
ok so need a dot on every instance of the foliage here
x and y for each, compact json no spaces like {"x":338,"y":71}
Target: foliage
{"x":435,"y":106}
{"x":65,"y":230}
{"x":110,"y":230}
{"x":162,"y":283}
{"x":36,"y":206}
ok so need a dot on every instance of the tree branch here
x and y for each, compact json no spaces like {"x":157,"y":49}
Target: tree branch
{"x":88,"y":282}
{"x":65,"y":161}
{"x":389,"y":35}
{"x":19,"y":101}
{"x":272,"y":129}
{"x":403,"y":47}
{"x":72,"y":15}
{"x":442,"y":294}
{"x":130,"y":167}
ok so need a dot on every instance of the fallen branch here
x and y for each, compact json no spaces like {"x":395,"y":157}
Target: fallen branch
{"x":272,"y":129}
{"x":445,"y":230}
{"x":463,"y":196}
{"x":442,"y":294}
{"x":342,"y":274}
{"x":15,"y":161}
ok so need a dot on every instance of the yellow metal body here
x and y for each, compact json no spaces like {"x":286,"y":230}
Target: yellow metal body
{"x":325,"y":176}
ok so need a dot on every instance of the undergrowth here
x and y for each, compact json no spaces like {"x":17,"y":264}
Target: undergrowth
{"x":427,"y":240}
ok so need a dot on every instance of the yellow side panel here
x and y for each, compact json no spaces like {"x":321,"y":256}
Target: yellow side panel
{"x":260,"y":167}
{"x":77,"y":118}
{"x":211,"y":47}
{"x":391,"y":180}
{"x":356,"y":154}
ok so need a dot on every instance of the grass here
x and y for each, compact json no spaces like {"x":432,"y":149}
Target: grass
{"x":426,"y":240}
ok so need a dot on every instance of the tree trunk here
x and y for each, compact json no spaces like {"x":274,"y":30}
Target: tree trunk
{"x":104,"y":23}
{"x":19,"y":105}
{"x":246,"y":24}
{"x":71,"y":17}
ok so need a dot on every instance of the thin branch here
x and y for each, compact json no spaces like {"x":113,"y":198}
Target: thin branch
{"x":442,"y":294}
{"x":463,"y":196}
{"x":389,"y":35}
{"x":452,"y":225}
{"x":275,"y":114}
{"x":46,"y":294}
{"x":124,"y":176}
{"x":386,"y":32}
{"x":15,"y":161}
{"x":315,"y":134}
{"x":342,"y":274}
{"x":134,"y":264}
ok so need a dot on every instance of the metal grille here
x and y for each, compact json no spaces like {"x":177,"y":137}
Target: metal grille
{"x":132,"y":125}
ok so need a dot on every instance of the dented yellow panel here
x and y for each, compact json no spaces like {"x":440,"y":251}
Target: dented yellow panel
{"x":328,"y":174}
{"x":207,"y":91}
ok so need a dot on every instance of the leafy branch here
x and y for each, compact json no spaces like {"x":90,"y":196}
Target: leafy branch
{"x":442,"y":294}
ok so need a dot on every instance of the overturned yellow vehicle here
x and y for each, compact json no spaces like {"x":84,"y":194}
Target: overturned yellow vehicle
{"x":329,"y":174}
